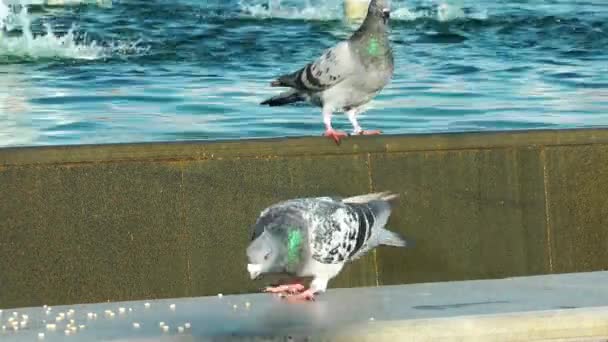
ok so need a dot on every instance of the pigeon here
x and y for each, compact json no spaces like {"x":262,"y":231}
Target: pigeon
{"x":346,"y":76}
{"x":315,"y":237}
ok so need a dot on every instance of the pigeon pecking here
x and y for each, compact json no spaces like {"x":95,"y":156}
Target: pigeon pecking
{"x":346,"y":76}
{"x":316,"y":237}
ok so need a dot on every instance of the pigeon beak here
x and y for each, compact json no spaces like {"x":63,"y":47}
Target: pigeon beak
{"x":254,"y":270}
{"x":386,"y":14}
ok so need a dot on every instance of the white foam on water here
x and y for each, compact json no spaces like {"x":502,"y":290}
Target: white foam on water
{"x":3,"y":13}
{"x":447,"y":12}
{"x":286,"y":9}
{"x":47,"y":45}
{"x":71,"y":45}
{"x":444,"y":10}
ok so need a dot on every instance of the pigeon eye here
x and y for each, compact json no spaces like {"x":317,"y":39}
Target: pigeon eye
{"x":266,"y":256}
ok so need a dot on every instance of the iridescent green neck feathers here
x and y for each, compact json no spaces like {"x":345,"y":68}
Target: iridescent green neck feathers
{"x":294,"y":243}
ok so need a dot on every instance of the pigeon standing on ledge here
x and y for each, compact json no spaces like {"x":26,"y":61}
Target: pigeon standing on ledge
{"x":346,"y":76}
{"x":316,"y":237}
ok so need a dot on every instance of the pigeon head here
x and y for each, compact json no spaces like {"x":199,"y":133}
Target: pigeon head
{"x":380,"y":9}
{"x":278,"y":240}
{"x":263,"y":255}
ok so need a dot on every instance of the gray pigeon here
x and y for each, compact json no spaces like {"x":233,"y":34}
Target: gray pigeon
{"x":346,"y":76}
{"x":315,"y":237}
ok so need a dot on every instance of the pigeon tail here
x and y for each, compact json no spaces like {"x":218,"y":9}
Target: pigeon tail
{"x":283,"y":99}
{"x":285,"y":81}
{"x":382,"y":196}
{"x":388,"y":238}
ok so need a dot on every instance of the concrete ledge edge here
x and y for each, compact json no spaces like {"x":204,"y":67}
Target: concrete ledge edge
{"x":568,"y":324}
{"x":297,"y":146}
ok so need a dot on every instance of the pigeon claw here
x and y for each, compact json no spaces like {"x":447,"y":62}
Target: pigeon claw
{"x":370,"y":132}
{"x":335,"y":135}
{"x":305,"y":296}
{"x":289,"y":289}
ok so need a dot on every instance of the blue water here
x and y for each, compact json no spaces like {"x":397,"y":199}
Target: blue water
{"x":141,"y":70}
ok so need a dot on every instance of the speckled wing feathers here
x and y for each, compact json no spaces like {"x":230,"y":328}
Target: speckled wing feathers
{"x":334,"y":65}
{"x":337,"y":230}
{"x":342,"y":235}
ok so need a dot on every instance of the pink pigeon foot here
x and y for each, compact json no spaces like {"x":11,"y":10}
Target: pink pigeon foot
{"x":304,"y":296}
{"x":287,"y":288}
{"x":370,"y":132}
{"x":335,"y":135}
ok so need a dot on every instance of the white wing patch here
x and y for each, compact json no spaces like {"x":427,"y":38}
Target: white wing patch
{"x":332,"y":237}
{"x":334,"y":65}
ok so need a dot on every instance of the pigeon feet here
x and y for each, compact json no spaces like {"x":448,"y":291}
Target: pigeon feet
{"x":305,"y":296}
{"x":285,"y":289}
{"x":335,"y":135}
{"x":370,"y":132}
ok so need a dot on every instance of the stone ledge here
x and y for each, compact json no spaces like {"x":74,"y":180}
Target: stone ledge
{"x":133,"y":221}
{"x":585,"y":324}
{"x":285,"y":147}
{"x":566,"y":307}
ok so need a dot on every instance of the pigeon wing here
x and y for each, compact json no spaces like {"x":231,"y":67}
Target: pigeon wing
{"x":334,"y":65}
{"x":333,"y":237}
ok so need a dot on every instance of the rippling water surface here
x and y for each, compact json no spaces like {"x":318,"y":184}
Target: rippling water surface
{"x":133,"y":70}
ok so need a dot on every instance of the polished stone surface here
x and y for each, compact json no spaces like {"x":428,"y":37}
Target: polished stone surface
{"x":257,"y":316}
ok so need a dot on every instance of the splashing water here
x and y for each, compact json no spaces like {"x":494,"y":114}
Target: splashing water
{"x":334,"y":10}
{"x":447,"y":12}
{"x":443,"y":11}
{"x":3,"y":15}
{"x":26,"y":45}
{"x":286,"y":9}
